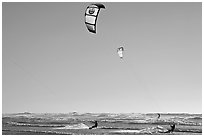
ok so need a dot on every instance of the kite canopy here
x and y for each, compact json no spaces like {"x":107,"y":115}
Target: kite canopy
{"x":91,"y":15}
{"x":120,"y":52}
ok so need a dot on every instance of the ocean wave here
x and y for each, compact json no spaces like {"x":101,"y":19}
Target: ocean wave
{"x":151,"y":130}
{"x":121,"y":128}
{"x":152,"y":121}
{"x":32,"y":125}
{"x":126,"y":131}
{"x":112,"y":120}
{"x":155,"y":129}
{"x":194,"y":118}
{"x":137,"y":121}
{"x":189,"y":130}
{"x":39,"y":132}
{"x":75,"y":126}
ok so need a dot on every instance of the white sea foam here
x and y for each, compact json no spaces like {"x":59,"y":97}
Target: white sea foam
{"x":75,"y":126}
{"x":127,"y":131}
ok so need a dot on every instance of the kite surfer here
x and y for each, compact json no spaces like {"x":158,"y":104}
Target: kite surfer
{"x":95,"y":125}
{"x":172,"y":128}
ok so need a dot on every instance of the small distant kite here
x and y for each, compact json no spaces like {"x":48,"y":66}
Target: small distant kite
{"x":91,"y":15}
{"x":120,"y":52}
{"x":158,"y":116}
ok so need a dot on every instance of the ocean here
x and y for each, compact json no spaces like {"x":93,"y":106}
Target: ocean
{"x":108,"y":124}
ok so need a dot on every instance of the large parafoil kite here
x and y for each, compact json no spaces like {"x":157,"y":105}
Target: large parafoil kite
{"x":91,"y":15}
{"x":120,"y":52}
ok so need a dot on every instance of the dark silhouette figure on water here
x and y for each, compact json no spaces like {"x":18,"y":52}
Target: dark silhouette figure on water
{"x":172,"y":129}
{"x":95,"y":125}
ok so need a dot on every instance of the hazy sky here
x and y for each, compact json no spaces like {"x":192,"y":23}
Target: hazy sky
{"x":51,"y":63}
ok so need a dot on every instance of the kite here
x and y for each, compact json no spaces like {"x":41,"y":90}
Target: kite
{"x":91,"y":15}
{"x":120,"y":52}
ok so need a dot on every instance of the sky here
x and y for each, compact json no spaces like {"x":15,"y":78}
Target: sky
{"x":51,"y":63}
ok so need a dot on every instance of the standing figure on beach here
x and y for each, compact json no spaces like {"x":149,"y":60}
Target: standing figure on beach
{"x":95,"y":125}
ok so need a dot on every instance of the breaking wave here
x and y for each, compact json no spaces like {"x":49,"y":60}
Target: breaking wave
{"x":75,"y":126}
{"x":40,"y":132}
{"x":32,"y":125}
